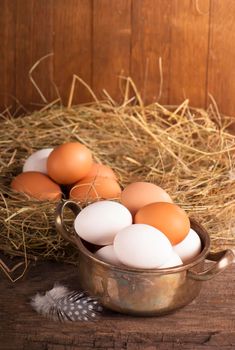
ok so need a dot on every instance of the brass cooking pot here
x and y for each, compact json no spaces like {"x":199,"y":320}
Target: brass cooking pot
{"x":139,"y":291}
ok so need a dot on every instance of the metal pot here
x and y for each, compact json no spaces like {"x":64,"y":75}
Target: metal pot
{"x":140,"y":291}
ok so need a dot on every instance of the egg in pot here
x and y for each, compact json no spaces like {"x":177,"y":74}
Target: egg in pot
{"x":142,"y":246}
{"x":138,"y":194}
{"x":107,"y":254}
{"x":190,"y":247}
{"x":173,"y":261}
{"x":99,"y":222}
{"x":168,"y":218}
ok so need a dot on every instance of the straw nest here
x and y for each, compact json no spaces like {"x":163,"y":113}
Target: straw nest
{"x":188,"y":152}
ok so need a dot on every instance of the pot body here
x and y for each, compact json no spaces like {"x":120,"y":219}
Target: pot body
{"x":138,"y":294}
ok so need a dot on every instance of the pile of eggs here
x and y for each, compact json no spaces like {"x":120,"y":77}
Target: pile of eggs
{"x":69,"y":171}
{"x":143,"y":229}
{"x":146,"y":230}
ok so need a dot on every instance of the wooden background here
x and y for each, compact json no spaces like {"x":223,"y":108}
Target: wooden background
{"x":102,"y":39}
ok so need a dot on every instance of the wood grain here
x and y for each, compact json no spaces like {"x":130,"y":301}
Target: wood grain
{"x":7,"y":54}
{"x":34,"y":36}
{"x":101,"y":39}
{"x":221,"y":73}
{"x":189,"y":51}
{"x":150,"y":42}
{"x":111,"y":44}
{"x":72,"y":46}
{"x":207,"y":323}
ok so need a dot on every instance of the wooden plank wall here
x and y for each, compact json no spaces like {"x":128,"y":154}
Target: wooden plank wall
{"x":173,"y":49}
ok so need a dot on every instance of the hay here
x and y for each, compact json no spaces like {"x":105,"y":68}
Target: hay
{"x":188,"y":152}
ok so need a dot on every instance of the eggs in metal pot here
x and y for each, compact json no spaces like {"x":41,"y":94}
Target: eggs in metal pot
{"x":91,"y":189}
{"x":138,"y":194}
{"x":99,"y":222}
{"x":69,"y":163}
{"x":36,"y":185}
{"x":190,"y":247}
{"x":168,"y":218}
{"x":108,"y":255}
{"x":38,"y":161}
{"x":142,"y":246}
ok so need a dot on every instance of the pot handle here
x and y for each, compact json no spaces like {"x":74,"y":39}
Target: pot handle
{"x":222,"y":260}
{"x":59,"y":221}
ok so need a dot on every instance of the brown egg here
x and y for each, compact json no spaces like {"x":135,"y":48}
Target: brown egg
{"x":168,"y":218}
{"x":90,"y":189}
{"x":36,"y":185}
{"x":139,"y":194}
{"x":101,"y":170}
{"x":69,"y":163}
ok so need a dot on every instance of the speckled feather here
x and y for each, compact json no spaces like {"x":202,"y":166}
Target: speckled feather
{"x":60,"y":304}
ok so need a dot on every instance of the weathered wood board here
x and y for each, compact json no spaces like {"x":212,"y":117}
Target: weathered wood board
{"x":207,"y":323}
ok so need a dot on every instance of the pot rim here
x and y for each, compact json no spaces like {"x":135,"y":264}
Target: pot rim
{"x":201,"y":231}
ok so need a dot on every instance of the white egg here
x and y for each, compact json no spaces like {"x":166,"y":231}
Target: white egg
{"x":190,"y":247}
{"x":37,"y":161}
{"x":108,"y":255}
{"x":174,"y":260}
{"x":99,"y":222}
{"x":142,"y":246}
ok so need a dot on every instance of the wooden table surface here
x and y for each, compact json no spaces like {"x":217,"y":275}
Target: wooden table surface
{"x":207,"y":323}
